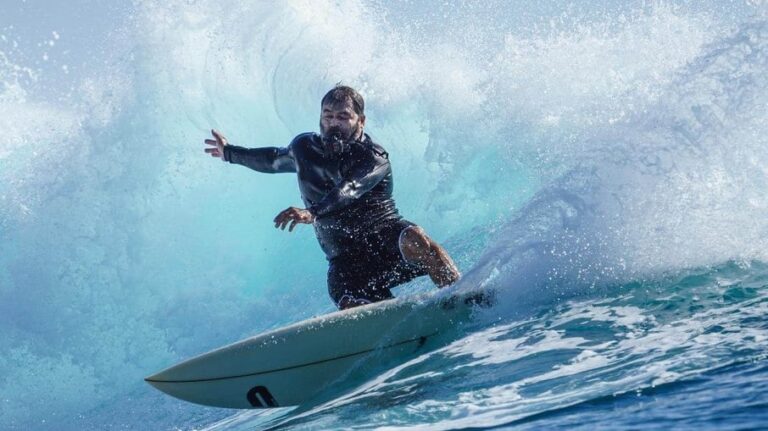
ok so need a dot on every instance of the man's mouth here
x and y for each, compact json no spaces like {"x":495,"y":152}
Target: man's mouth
{"x":334,"y":135}
{"x":333,"y":143}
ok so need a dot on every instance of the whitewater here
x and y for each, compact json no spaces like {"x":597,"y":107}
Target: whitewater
{"x":602,"y":167}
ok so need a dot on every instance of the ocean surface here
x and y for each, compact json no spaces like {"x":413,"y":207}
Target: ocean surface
{"x":601,"y":166}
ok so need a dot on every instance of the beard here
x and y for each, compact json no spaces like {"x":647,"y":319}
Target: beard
{"x":336,"y":134}
{"x":335,"y":141}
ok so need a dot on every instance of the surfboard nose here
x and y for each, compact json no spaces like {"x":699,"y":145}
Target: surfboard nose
{"x":163,"y":376}
{"x":199,"y":368}
{"x":160,"y":381}
{"x":154,"y":378}
{"x":240,"y":393}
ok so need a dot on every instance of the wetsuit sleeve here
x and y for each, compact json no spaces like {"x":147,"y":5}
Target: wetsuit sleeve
{"x":361,"y":178}
{"x":268,"y":159}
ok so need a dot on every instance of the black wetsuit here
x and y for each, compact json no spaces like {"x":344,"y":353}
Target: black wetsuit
{"x":356,"y":220}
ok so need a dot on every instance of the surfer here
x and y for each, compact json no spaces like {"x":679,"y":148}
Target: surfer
{"x":345,"y":180}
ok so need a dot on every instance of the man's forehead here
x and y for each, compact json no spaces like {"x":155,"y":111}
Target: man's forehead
{"x":339,"y":106}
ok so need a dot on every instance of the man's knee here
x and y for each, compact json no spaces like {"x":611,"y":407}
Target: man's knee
{"x":414,"y":243}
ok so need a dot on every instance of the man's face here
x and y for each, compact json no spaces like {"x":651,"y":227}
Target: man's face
{"x":341,"y":119}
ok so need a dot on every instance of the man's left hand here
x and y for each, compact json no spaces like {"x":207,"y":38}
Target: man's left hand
{"x":293,"y":216}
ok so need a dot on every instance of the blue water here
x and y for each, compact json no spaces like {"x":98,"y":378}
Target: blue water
{"x":602,"y":167}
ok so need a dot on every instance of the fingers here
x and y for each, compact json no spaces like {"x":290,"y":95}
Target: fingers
{"x":220,"y":139}
{"x":278,"y":220}
{"x":283,"y":218}
{"x":216,"y":151}
{"x":280,"y":216}
{"x":289,"y":217}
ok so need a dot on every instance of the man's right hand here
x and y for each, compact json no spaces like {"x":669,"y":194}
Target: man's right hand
{"x":218,"y":143}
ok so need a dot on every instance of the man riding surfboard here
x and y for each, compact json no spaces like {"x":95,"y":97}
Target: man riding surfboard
{"x":346,"y":184}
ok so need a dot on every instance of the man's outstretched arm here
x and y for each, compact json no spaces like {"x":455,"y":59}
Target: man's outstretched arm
{"x":268,"y":159}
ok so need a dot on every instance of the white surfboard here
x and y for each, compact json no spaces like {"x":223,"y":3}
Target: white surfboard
{"x":290,"y":365}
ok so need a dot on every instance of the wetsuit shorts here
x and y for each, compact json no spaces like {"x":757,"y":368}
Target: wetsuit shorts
{"x":370,"y":267}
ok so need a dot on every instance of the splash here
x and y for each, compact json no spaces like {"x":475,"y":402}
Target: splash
{"x":676,"y":185}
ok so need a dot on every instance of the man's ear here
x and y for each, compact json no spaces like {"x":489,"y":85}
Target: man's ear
{"x":362,"y":120}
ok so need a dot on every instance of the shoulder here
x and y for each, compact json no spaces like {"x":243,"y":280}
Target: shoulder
{"x":304,"y":139}
{"x":374,"y":148}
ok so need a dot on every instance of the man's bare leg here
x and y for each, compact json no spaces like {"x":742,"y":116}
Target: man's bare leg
{"x":420,"y":249}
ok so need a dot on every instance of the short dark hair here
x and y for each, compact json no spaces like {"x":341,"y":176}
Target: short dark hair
{"x":342,"y":93}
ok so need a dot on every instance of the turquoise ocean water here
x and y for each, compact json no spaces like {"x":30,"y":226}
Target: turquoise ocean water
{"x":601,"y":166}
